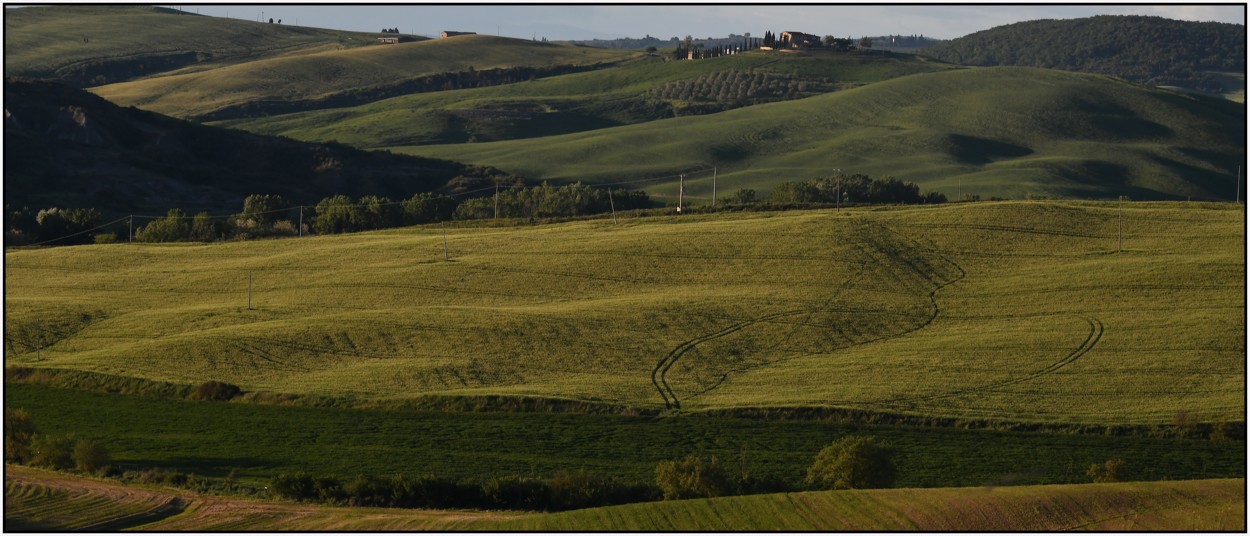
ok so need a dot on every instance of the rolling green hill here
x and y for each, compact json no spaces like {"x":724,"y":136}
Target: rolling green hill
{"x":87,"y":45}
{"x":34,"y":500}
{"x":628,"y":94}
{"x":1016,"y":311}
{"x":1003,"y":131}
{"x":1149,"y":50}
{"x":352,"y":76}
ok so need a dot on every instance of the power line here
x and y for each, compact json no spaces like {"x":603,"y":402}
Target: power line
{"x":119,"y":220}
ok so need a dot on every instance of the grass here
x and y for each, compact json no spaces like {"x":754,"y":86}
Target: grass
{"x":123,"y":42}
{"x":31,"y":505}
{"x":1009,"y":132}
{"x":1192,"y":505}
{"x":562,"y":104}
{"x":258,"y":441}
{"x":1015,"y":311}
{"x":1209,"y":505}
{"x":308,"y":78}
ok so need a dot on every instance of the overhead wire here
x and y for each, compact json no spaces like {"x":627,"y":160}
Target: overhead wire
{"x":203,"y":215}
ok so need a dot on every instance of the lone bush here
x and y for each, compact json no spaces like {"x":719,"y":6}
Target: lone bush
{"x":1111,"y":471}
{"x":853,"y":462}
{"x":515,"y":492}
{"x":215,"y":390}
{"x":299,"y":486}
{"x":691,"y":478}
{"x":90,"y":457}
{"x":53,"y":452}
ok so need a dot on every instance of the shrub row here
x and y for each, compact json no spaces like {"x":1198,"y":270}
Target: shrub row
{"x":565,"y":491}
{"x":24,"y":444}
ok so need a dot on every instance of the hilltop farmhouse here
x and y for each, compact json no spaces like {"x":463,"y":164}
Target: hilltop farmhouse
{"x":797,"y":40}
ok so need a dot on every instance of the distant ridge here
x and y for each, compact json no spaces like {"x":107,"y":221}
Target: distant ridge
{"x":68,"y":148}
{"x":1148,"y":50}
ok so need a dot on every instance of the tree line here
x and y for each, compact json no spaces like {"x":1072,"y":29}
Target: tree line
{"x":269,"y":215}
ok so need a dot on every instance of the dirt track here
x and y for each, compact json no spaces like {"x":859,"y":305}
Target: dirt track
{"x":170,"y":509}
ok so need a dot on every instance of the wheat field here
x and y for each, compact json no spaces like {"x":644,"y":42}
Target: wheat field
{"x":1027,"y":311}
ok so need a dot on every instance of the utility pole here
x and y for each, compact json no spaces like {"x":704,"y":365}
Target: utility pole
{"x":1119,"y":230}
{"x":301,"y":221}
{"x":612,"y":204}
{"x":681,"y":191}
{"x":837,"y":202}
{"x":713,"y":187}
{"x":496,"y":200}
{"x":132,"y":228}
{"x":249,"y":290}
{"x":446,"y":253}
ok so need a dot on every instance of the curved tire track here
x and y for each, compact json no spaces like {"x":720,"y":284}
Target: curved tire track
{"x":1095,"y":334}
{"x":875,"y":246}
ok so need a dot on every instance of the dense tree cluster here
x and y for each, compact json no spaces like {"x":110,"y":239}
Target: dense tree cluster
{"x":24,"y":443}
{"x":1148,"y":50}
{"x":851,"y":189}
{"x":547,"y":201}
{"x":65,"y":226}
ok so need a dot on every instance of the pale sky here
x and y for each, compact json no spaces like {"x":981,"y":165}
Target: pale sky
{"x":589,"y":21}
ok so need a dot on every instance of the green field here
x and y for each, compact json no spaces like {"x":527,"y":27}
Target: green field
{"x":628,"y":94}
{"x":31,"y":499}
{"x":1019,"y":311}
{"x":1009,"y":132}
{"x":77,"y":44}
{"x":309,"y":78}
{"x":258,"y":441}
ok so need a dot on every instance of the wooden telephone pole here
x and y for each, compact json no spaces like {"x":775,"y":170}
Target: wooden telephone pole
{"x":681,"y":191}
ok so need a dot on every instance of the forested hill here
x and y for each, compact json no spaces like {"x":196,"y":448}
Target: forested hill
{"x":1149,"y":50}
{"x":66,"y":147}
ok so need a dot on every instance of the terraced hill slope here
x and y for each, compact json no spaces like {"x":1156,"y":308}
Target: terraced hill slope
{"x":87,"y":45}
{"x":1009,"y":132}
{"x":1018,"y":311}
{"x":33,"y":501}
{"x":353,"y":76}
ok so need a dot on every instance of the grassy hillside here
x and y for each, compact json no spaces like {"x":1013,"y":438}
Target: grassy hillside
{"x":634,"y":93}
{"x":1019,"y":311}
{"x":315,"y":80}
{"x":87,"y":45}
{"x":1149,"y":50}
{"x":1208,"y":505}
{"x":1008,"y":132}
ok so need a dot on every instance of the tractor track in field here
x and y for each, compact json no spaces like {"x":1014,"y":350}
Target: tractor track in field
{"x":875,"y":245}
{"x":878,"y":247}
{"x":1096,"y":330}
